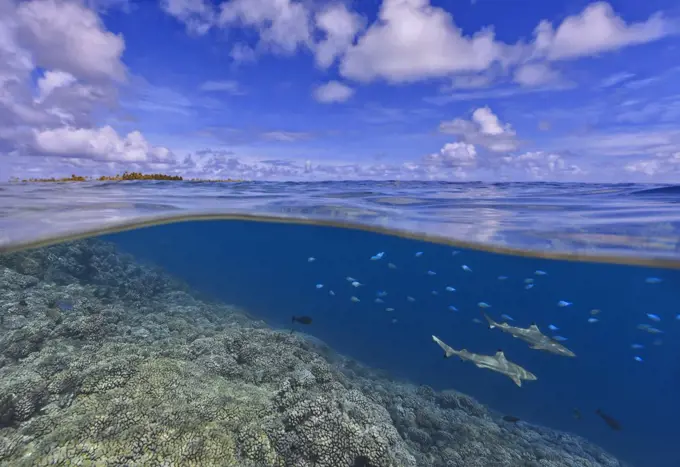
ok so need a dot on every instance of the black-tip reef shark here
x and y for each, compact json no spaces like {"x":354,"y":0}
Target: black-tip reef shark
{"x":533,"y":336}
{"x":497,"y":362}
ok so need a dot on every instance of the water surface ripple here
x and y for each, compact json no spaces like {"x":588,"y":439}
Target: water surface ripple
{"x":627,"y":221}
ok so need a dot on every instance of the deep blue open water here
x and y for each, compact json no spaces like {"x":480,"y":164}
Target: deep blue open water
{"x":275,"y":271}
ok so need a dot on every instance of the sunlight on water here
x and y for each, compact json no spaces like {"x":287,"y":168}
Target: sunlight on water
{"x":268,"y":344}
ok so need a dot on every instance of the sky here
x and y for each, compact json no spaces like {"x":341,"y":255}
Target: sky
{"x":460,"y":90}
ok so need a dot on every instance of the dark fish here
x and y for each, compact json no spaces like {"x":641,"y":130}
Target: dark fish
{"x":302,"y":319}
{"x":511,"y":419}
{"x":577,"y":414}
{"x":613,"y":424}
{"x":64,"y":306}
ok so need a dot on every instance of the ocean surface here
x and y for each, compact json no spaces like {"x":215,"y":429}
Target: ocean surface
{"x":371,"y":271}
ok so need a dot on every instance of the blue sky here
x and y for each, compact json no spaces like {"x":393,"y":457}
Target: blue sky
{"x":316,"y":89}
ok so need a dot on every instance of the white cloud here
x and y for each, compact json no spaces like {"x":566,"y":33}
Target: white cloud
{"x":229,"y":86}
{"x":413,"y":40}
{"x":597,"y":29}
{"x":663,"y":166}
{"x":101,"y":143}
{"x":484,"y":129}
{"x":69,"y":37}
{"x":539,"y":165}
{"x":536,"y":74}
{"x":333,"y":91}
{"x":242,"y":53}
{"x":283,"y":25}
{"x":59,"y":67}
{"x":340,"y":27}
{"x":285,"y":136}
{"x":616,"y":78}
{"x":197,"y":15}
{"x":52,"y":80}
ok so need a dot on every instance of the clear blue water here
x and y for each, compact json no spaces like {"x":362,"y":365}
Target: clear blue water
{"x":264,"y":268}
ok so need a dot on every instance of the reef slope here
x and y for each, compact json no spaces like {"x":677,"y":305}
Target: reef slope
{"x":105,"y":361}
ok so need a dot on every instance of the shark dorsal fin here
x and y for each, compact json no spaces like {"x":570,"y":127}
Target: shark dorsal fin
{"x":533,"y":327}
{"x":500,"y":355}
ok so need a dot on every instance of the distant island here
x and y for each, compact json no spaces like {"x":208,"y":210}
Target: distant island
{"x":121,"y":177}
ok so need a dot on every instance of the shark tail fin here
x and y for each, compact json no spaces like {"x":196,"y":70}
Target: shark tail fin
{"x":492,"y":323}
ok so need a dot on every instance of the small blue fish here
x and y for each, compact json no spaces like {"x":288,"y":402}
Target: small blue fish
{"x":356,"y":284}
{"x":330,"y":292}
{"x":378,"y":256}
{"x":483,"y":305}
{"x":677,"y":316}
{"x":391,"y":265}
{"x":434,"y":292}
{"x":431,"y":273}
{"x":538,"y":272}
{"x":379,"y":300}
{"x":350,"y":279}
{"x":466,"y":268}
{"x":453,"y":308}
{"x":419,"y":254}
{"x":410,"y":299}
{"x":653,"y":280}
{"x":477,"y":321}
{"x":389,"y":309}
{"x":637,"y":346}
{"x":593,"y":320}
{"x":508,"y":317}
{"x":560,"y":338}
{"x":528,"y":280}
{"x":553,"y":328}
{"x":451,"y":289}
{"x":638,"y":359}
{"x":455,"y":252}
{"x":529,"y":286}
{"x":311,"y":259}
{"x":502,"y":278}
{"x":654,"y":317}
{"x":381,"y":293}
{"x":563,"y":303}
{"x":395,"y":320}
{"x":319,"y":286}
{"x":354,"y":299}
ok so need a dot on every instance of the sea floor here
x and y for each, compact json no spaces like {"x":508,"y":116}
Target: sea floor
{"x":104,"y":361}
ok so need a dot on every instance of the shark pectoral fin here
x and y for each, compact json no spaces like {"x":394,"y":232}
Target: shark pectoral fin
{"x":516,"y":380}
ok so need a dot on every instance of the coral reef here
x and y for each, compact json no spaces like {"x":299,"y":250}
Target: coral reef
{"x":104,"y":361}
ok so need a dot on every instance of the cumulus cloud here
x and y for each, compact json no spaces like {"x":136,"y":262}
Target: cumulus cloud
{"x":536,"y":74}
{"x":339,"y":26}
{"x":539,"y":165}
{"x":197,"y":15}
{"x":483,"y":129}
{"x":59,"y":66}
{"x":283,"y":25}
{"x":662,"y":166}
{"x":333,"y":91}
{"x":69,"y":37}
{"x":597,"y":29}
{"x":98,"y":143}
{"x":413,"y":40}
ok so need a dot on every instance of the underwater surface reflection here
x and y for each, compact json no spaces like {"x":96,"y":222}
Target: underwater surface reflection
{"x":253,"y":343}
